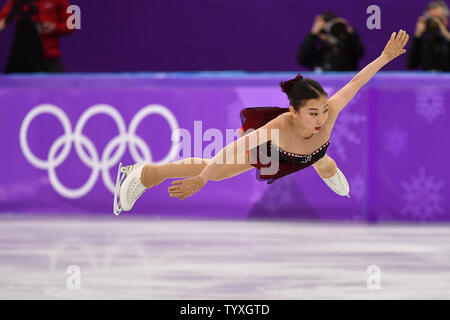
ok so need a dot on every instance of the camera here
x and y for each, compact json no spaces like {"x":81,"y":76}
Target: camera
{"x":431,"y":25}
{"x":335,"y":30}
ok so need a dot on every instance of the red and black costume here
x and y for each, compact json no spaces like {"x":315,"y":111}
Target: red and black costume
{"x":253,"y":118}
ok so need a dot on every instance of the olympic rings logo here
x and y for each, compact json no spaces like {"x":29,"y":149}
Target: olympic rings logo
{"x":91,"y":158}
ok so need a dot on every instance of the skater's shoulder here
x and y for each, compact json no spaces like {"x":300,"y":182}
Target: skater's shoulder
{"x":283,"y":119}
{"x":280,"y":122}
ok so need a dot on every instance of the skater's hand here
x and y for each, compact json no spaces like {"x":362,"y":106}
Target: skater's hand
{"x":183,"y":189}
{"x":395,"y":45}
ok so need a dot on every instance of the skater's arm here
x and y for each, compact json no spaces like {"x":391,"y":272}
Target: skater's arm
{"x":235,"y":152}
{"x":393,"y":48}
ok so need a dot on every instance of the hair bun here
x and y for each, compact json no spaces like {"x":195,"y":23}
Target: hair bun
{"x":286,"y":86}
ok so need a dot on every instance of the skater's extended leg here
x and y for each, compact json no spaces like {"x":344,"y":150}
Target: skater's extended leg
{"x":154,"y":174}
{"x":140,"y":177}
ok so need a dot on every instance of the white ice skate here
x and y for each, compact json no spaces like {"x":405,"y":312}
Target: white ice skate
{"x":130,"y":190}
{"x":338,"y":183}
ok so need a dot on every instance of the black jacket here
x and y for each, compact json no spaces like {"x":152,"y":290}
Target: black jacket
{"x":314,"y":53}
{"x":430,"y":52}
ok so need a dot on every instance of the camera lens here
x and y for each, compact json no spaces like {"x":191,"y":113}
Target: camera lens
{"x":431,"y":26}
{"x":339,"y":30}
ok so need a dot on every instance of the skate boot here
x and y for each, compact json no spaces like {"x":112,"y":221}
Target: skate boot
{"x":129,"y":187}
{"x":338,"y":183}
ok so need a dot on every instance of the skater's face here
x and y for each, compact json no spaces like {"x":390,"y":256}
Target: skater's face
{"x":313,"y":114}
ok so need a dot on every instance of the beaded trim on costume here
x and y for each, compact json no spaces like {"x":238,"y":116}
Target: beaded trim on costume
{"x":301,"y":155}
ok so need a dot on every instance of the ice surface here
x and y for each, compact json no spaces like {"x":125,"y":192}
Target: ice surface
{"x":137,"y":257}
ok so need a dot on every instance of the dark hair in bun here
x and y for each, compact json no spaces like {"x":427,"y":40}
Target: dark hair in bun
{"x":299,"y":90}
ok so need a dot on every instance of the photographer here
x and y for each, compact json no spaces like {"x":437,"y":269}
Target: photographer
{"x":332,"y":45}
{"x":430,"y":47}
{"x":40,"y":24}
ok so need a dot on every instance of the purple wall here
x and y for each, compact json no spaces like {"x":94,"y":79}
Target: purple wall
{"x":252,"y":35}
{"x":391,"y":142}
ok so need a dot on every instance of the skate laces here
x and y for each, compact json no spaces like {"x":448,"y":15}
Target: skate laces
{"x":335,"y":181}
{"x":136,"y":190}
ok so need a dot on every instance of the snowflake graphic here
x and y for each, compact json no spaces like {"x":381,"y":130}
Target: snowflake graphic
{"x":342,"y":132}
{"x":422,"y":196}
{"x":357,"y":187}
{"x":430,"y":103}
{"x":396,"y":141}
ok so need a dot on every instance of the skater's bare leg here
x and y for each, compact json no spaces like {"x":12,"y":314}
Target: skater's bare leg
{"x":325,"y":167}
{"x":154,"y":174}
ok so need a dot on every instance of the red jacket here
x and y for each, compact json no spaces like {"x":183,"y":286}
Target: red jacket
{"x":49,"y":11}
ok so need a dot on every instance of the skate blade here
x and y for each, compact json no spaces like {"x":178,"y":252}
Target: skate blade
{"x":121,"y":175}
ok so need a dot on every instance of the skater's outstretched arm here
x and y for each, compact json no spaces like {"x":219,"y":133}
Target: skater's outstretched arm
{"x":393,"y":49}
{"x":230,"y":155}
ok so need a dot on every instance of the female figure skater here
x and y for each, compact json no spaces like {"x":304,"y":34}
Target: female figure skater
{"x":300,"y":135}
